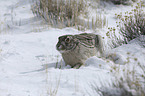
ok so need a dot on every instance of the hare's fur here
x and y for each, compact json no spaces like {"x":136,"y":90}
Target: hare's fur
{"x":78,"y":56}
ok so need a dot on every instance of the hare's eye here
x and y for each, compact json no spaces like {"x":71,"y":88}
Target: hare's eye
{"x":67,"y":40}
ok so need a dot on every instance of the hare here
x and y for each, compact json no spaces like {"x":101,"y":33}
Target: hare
{"x":76,"y":49}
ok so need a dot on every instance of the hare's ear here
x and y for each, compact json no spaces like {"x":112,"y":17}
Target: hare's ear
{"x":60,"y":37}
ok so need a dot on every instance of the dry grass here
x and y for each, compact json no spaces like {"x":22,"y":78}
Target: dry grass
{"x":68,"y":13}
{"x":132,"y":25}
{"x":129,"y":80}
{"x":59,"y":13}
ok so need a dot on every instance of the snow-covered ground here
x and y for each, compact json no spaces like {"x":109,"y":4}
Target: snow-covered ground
{"x":28,"y":57}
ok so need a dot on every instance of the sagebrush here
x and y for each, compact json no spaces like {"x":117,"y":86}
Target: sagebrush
{"x":132,"y":24}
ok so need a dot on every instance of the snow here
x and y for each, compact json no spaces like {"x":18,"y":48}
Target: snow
{"x":135,"y":49}
{"x":28,"y":56}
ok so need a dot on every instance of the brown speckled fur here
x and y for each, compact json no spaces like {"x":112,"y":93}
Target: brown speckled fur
{"x":77,"y":56}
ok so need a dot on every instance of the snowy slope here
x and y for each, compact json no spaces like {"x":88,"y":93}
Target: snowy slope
{"x":28,"y":57}
{"x":25,"y":58}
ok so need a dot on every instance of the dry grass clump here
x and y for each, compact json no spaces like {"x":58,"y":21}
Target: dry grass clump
{"x":68,"y":13}
{"x":115,"y":41}
{"x":59,"y":13}
{"x":132,"y":25}
{"x":131,"y":84}
{"x":133,"y":81}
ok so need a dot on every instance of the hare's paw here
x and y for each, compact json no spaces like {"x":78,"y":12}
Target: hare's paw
{"x":77,"y":66}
